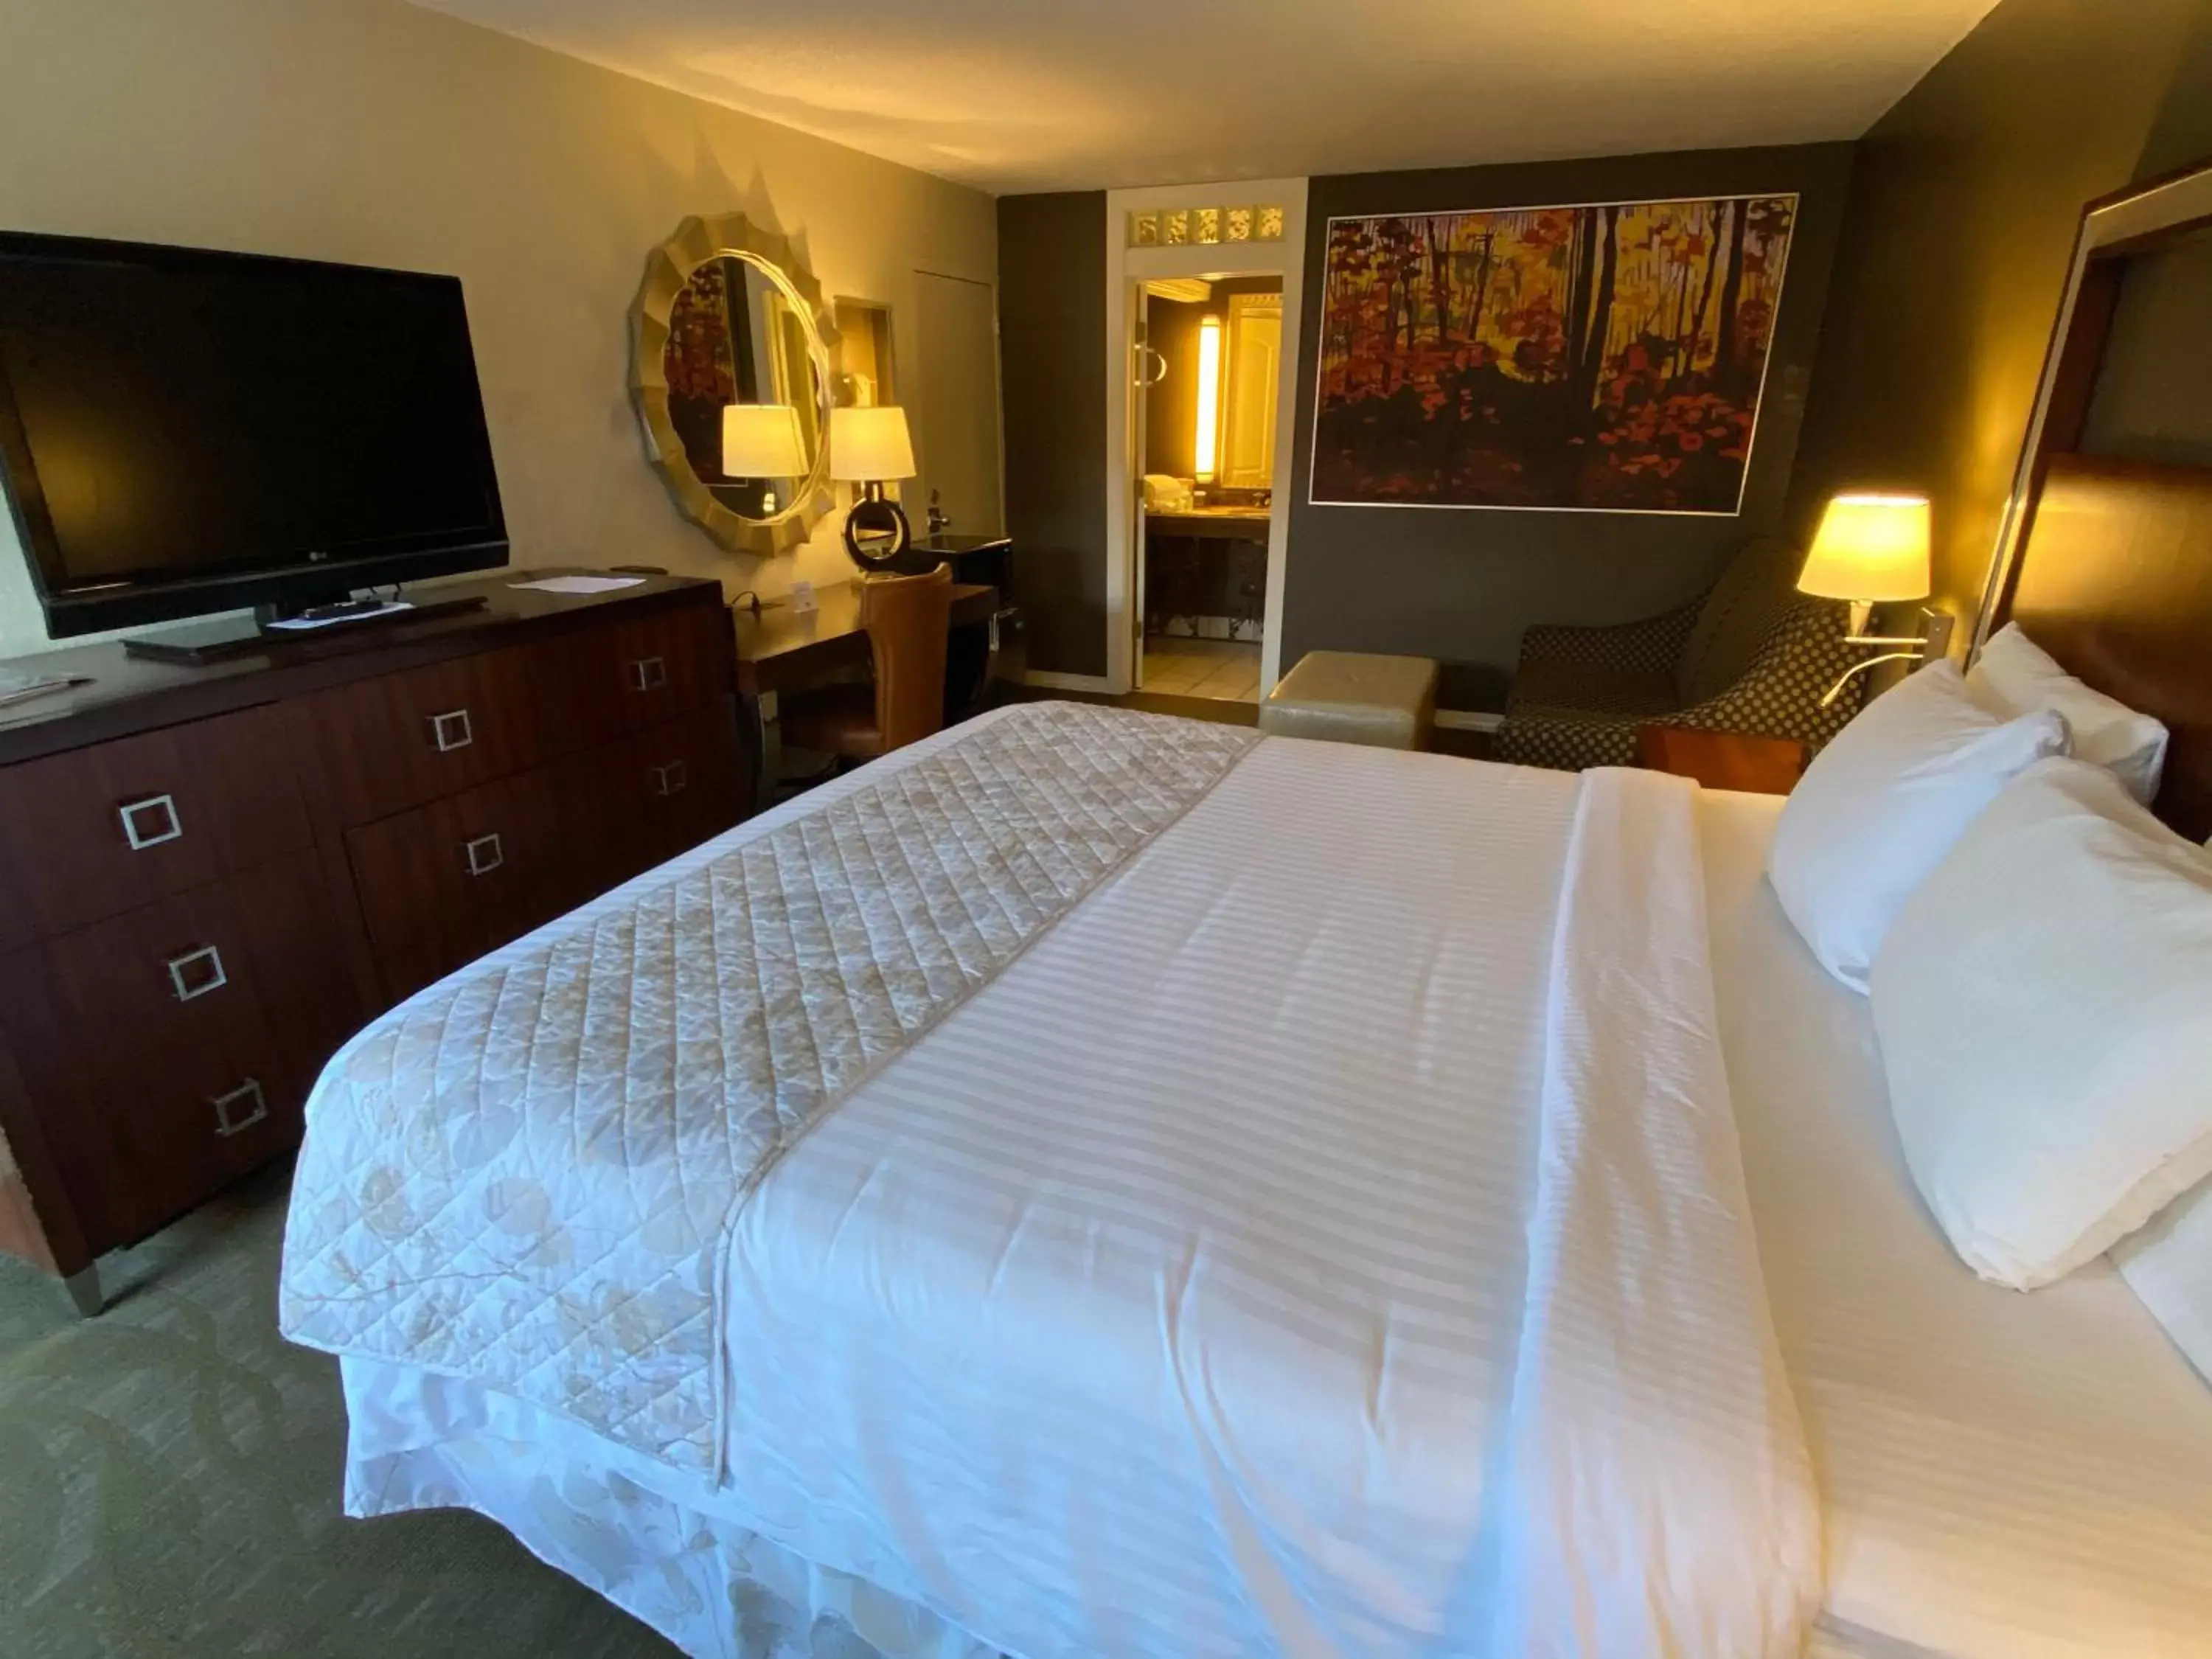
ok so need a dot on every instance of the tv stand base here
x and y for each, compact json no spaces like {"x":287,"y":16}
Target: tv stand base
{"x":245,"y":636}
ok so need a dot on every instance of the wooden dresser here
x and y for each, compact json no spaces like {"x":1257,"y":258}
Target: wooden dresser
{"x":210,"y":877}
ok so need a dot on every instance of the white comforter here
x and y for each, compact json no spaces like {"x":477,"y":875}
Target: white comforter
{"x":1301,"y":1248}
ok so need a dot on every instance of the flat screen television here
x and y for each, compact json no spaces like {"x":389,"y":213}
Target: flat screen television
{"x":183,"y":432}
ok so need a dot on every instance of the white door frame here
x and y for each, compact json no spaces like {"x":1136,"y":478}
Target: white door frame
{"x":1127,"y":266}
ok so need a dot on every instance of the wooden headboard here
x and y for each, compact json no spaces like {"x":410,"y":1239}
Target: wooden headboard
{"x":2113,"y":577}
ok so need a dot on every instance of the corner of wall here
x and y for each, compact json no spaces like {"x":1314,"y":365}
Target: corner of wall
{"x":1965,"y":201}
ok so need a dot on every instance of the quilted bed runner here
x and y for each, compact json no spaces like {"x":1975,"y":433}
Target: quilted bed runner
{"x":527,"y":1175}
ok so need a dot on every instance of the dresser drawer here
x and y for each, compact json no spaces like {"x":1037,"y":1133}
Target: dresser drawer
{"x":383,"y":744}
{"x":649,"y":668}
{"x":169,"y":1050}
{"x":641,"y":800}
{"x":442,"y":884}
{"x":102,"y":830}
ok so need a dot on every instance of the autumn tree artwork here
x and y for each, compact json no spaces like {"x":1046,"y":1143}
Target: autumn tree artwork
{"x":1604,"y":357}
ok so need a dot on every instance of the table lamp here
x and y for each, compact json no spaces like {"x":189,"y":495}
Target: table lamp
{"x":1871,"y":549}
{"x":869,"y":447}
{"x":762,"y":441}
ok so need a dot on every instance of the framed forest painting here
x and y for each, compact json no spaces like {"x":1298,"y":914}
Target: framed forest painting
{"x":1600,"y":357}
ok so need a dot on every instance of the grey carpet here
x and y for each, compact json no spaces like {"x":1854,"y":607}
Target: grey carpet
{"x":169,"y":1478}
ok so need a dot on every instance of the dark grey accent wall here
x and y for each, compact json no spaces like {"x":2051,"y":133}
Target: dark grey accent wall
{"x":1052,"y":356}
{"x":1461,"y":585}
{"x":2181,"y":137}
{"x":1965,"y":211}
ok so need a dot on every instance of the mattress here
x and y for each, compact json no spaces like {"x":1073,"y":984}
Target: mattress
{"x":2004,"y":1476}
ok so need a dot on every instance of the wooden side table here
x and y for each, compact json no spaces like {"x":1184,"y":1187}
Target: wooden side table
{"x":1723,"y":760}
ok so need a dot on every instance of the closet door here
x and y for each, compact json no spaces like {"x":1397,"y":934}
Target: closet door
{"x":955,"y":392}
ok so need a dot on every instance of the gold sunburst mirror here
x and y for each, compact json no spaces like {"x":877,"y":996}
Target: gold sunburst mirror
{"x":728,"y":317}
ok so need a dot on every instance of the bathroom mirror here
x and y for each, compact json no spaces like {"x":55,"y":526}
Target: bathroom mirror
{"x":728,"y":316}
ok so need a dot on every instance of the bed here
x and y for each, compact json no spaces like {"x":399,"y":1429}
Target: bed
{"x":1290,"y":1197}
{"x":1079,"y":1325}
{"x":918,"y":1280}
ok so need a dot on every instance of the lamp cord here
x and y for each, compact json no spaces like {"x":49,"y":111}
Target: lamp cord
{"x":1858,"y":668}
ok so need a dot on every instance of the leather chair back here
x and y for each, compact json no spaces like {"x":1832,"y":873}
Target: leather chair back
{"x":908,"y":619}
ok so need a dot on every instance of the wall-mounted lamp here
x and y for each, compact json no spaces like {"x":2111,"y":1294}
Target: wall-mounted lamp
{"x":1873,"y":549}
{"x":1207,"y":445}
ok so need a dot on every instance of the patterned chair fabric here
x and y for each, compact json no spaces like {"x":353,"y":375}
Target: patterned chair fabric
{"x":1751,"y":655}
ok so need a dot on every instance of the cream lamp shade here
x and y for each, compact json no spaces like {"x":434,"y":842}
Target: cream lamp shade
{"x":1870,"y":547}
{"x":868,"y":446}
{"x":762,"y":440}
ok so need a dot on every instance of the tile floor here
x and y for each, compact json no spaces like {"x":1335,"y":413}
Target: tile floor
{"x":1227,"y":669}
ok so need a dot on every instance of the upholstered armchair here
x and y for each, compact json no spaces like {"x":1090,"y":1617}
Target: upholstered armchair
{"x":1750,"y":654}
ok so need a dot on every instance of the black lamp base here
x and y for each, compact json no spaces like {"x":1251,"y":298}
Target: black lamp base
{"x":878,"y":539}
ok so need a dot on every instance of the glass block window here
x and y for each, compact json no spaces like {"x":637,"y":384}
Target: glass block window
{"x":1203,"y":226}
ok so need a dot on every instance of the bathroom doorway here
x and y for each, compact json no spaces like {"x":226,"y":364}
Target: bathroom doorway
{"x":1199,"y":245}
{"x":1211,"y":371}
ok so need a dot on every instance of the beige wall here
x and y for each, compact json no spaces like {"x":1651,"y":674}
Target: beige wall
{"x":1964,"y":204}
{"x":371,"y":131}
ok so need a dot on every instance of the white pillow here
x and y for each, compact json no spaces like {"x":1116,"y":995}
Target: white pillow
{"x":1879,"y":806}
{"x":2044,"y":1010}
{"x":2015,"y":675}
{"x":2168,"y":1265}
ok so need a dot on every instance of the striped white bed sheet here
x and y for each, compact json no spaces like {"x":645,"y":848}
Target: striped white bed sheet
{"x":2003,"y":1476}
{"x":1249,"y":1136}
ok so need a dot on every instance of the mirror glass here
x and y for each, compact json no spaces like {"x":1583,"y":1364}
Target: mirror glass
{"x":740,"y":333}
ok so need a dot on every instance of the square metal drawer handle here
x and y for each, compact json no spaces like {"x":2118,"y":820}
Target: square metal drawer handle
{"x":240,"y":1109}
{"x":649,"y":674}
{"x":483,"y":855}
{"x":208,"y":961}
{"x":150,"y":821}
{"x":670,"y":779}
{"x":451,"y":731}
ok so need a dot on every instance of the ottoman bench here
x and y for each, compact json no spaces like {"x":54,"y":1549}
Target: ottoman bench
{"x":1352,"y":696}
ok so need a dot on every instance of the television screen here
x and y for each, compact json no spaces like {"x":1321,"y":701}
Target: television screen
{"x":185,"y":431}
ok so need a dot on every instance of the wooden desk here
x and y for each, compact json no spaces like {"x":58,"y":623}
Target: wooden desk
{"x":783,"y":650}
{"x":1723,"y":760}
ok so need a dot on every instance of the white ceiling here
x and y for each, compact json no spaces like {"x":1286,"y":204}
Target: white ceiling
{"x":1056,"y":95}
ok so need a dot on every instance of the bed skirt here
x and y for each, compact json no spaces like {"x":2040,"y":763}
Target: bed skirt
{"x":705,"y":1584}
{"x":710,"y":1586}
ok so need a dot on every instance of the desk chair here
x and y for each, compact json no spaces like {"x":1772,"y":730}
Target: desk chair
{"x":907,"y":619}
